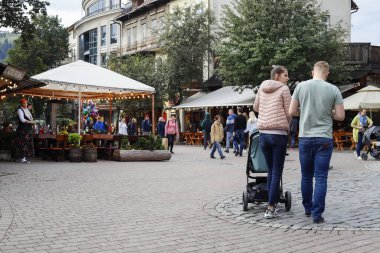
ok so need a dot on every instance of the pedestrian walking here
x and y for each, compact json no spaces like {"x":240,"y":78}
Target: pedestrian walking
{"x":217,"y":135}
{"x":161,"y":127}
{"x":132,"y":127}
{"x":24,"y":140}
{"x":359,"y":125}
{"x":315,"y":135}
{"x":146,"y":126}
{"x":206,"y":126}
{"x":230,"y":122}
{"x":171,"y":131}
{"x":272,"y":103}
{"x":239,"y":128}
{"x":293,"y":131}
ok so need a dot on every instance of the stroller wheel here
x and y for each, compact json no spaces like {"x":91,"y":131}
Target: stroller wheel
{"x":364,"y":156}
{"x":288,"y":200}
{"x":245,"y":201}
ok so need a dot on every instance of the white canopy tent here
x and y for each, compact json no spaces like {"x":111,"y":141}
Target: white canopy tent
{"x":82,"y":80}
{"x":226,"y":96}
{"x":368,"y":97}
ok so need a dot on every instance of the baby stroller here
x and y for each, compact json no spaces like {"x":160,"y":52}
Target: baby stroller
{"x":371,"y":139}
{"x":257,"y":191}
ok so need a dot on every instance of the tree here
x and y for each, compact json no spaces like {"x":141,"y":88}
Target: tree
{"x":186,"y":40}
{"x":17,"y":14}
{"x":145,"y":69}
{"x":47,"y":49}
{"x":260,"y":33}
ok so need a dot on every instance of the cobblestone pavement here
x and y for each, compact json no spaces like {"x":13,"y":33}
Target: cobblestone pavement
{"x":188,"y":204}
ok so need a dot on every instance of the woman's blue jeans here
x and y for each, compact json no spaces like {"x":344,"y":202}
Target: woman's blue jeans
{"x":315,"y":154}
{"x":274,"y":149}
{"x":215,"y":147}
{"x":359,"y":145}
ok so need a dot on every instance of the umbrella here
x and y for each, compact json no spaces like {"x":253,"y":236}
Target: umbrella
{"x":368,"y":97}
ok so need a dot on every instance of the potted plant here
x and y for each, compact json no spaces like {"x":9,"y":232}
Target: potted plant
{"x":90,"y":153}
{"x":147,"y":148}
{"x":75,"y":154}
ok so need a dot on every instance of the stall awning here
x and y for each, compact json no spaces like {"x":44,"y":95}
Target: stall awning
{"x":90,"y":80}
{"x":226,"y":96}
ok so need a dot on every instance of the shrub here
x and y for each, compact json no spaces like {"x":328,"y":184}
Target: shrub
{"x":74,"y":139}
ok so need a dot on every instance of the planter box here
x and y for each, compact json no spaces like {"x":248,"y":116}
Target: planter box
{"x":141,"y":155}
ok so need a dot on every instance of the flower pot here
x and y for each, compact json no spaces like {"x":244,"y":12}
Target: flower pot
{"x":75,"y":155}
{"x":90,"y":155}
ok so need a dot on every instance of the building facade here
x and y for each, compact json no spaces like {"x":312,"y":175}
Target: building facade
{"x":132,"y":26}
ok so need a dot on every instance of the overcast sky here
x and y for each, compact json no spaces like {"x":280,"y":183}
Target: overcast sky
{"x":365,"y":22}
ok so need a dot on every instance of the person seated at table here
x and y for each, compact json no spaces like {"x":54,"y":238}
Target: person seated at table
{"x":99,"y":125}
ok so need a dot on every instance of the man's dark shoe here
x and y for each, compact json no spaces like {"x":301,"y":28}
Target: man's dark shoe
{"x":212,"y":157}
{"x":236,"y":153}
{"x":307,"y":214}
{"x":226,"y":151}
{"x":172,"y":152}
{"x":222,"y":157}
{"x":319,"y":220}
{"x":241,"y":154}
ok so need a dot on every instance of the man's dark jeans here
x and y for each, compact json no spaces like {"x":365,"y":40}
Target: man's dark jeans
{"x":315,"y":154}
{"x":274,"y":149}
{"x":239,"y":137}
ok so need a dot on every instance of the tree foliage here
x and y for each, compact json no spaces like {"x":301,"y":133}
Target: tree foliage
{"x":185,"y":40}
{"x":260,"y":33}
{"x":17,"y":14}
{"x":145,"y":69}
{"x":47,"y":49}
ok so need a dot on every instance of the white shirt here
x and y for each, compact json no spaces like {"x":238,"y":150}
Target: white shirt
{"x":20,"y":114}
{"x":123,"y":128}
{"x":251,"y":126}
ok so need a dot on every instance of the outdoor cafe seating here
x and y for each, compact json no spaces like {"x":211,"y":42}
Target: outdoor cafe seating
{"x":343,"y":139}
{"x":193,"y":138}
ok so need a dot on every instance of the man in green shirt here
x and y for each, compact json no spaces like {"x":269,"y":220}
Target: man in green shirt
{"x":320,"y":102}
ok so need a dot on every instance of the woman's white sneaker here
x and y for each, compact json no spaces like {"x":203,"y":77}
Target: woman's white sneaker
{"x":269,"y":214}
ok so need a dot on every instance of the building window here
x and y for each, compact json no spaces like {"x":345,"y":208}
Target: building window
{"x":103,"y":32}
{"x":113,"y":33}
{"x":88,"y":46}
{"x":144,"y":34}
{"x":103,"y":58}
{"x":93,"y":34}
{"x":134,"y":36}
{"x":153,"y":25}
{"x":129,"y":37}
{"x":114,"y":4}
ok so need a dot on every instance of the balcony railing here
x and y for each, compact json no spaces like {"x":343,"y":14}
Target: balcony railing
{"x":104,"y":9}
{"x":148,"y":44}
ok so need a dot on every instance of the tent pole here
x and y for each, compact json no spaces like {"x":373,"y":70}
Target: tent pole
{"x":79,"y":109}
{"x":153,"y":117}
{"x":110,"y":121}
{"x":370,"y":112}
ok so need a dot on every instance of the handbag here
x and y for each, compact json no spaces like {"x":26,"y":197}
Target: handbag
{"x":165,"y":142}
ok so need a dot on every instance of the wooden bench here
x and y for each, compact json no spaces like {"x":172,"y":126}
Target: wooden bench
{"x":56,"y":150}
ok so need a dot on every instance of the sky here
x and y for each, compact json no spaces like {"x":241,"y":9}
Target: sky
{"x":365,"y":22}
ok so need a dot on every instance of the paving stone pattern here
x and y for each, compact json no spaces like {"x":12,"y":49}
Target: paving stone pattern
{"x":173,"y":207}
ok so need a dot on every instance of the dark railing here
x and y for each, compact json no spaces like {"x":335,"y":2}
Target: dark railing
{"x":104,"y":9}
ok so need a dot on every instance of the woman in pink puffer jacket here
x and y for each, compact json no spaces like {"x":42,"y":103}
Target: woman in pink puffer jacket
{"x":272,"y":103}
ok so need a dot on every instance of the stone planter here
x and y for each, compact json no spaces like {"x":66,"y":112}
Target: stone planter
{"x":141,"y":155}
{"x":5,"y":155}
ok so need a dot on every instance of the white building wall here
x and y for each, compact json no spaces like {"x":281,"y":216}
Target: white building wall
{"x":339,"y":12}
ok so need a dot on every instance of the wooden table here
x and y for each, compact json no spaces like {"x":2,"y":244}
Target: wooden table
{"x":342,"y":139}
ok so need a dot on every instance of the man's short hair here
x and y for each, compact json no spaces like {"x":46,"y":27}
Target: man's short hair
{"x":216,"y":117}
{"x":231,"y":110}
{"x":322,"y":66}
{"x":240,"y":110}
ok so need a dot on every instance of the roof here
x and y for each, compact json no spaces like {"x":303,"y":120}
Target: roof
{"x":17,"y":83}
{"x":133,"y":11}
{"x":226,"y":96}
